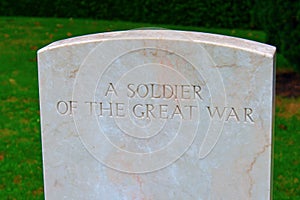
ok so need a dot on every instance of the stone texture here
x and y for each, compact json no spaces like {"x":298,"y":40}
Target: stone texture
{"x":156,"y":114}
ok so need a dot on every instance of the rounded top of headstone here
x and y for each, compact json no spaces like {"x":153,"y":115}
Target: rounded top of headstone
{"x":165,"y":34}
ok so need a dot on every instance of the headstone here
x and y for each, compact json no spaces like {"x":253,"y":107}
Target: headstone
{"x":156,"y":114}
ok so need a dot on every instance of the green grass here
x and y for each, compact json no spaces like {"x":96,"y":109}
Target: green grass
{"x":287,"y":149}
{"x":20,"y":142}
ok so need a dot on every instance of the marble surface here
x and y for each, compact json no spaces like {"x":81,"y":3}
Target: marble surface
{"x":157,"y":114}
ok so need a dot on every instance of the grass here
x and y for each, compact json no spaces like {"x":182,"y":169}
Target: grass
{"x":287,"y":150}
{"x":20,"y":142}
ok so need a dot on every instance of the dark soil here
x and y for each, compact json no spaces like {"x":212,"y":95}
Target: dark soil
{"x":288,"y":84}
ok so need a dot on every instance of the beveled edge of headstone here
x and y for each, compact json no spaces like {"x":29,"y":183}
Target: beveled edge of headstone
{"x":198,"y":37}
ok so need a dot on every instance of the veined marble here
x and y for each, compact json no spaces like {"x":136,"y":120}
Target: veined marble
{"x":157,"y":114}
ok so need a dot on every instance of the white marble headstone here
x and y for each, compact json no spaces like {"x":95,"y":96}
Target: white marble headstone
{"x":156,"y":115}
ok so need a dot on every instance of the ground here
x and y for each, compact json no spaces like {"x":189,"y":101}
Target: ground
{"x":288,"y":84}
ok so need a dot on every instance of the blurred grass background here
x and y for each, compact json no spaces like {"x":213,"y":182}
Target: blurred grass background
{"x":20,"y":142}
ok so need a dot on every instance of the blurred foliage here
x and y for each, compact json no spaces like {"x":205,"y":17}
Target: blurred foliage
{"x":207,"y":13}
{"x":280,"y":20}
